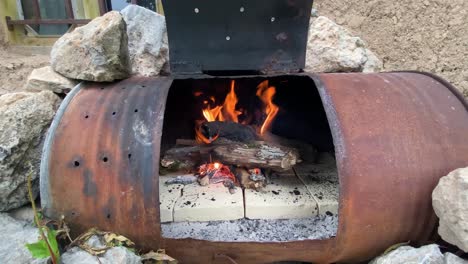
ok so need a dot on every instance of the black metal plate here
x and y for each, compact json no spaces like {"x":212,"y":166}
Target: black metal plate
{"x":237,"y":35}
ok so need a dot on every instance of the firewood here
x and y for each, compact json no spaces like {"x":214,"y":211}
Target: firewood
{"x":229,"y":130}
{"x":186,"y":142}
{"x":186,"y":158}
{"x":258,"y":154}
{"x":307,"y":152}
{"x":249,"y":179}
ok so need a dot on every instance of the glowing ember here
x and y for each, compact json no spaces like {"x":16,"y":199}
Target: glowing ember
{"x":266,"y":94}
{"x":212,"y":173}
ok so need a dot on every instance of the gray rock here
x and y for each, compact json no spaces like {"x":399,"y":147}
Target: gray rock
{"x":147,"y":45}
{"x":429,"y":254}
{"x":450,"y":202}
{"x":15,"y":235}
{"x":24,"y":120}
{"x":46,"y":79}
{"x":453,"y":259}
{"x":94,"y":52}
{"x":24,"y":213}
{"x":115,"y":255}
{"x":332,"y":48}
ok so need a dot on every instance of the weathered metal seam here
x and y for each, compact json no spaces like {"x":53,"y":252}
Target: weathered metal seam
{"x":46,"y":150}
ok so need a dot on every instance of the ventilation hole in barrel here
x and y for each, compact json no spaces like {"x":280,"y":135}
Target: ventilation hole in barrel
{"x":86,"y":116}
{"x":105,"y":159}
{"x":108,"y":216}
{"x":113,"y":113}
{"x":76,"y":163}
{"x":129,"y":155}
{"x":73,"y":213}
{"x":136,"y":110}
{"x":143,"y":86}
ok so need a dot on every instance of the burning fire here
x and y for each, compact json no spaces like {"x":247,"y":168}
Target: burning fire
{"x":228,"y":112}
{"x":266,"y":94}
{"x":225,"y":112}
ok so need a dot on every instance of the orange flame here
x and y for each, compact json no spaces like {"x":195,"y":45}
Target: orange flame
{"x":266,"y":95}
{"x":228,"y":112}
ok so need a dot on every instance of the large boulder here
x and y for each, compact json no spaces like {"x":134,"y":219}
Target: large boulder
{"x":94,"y":52}
{"x":15,"y":235}
{"x":332,"y":48}
{"x":24,"y":120}
{"x":46,"y":79}
{"x":450,"y":202}
{"x":147,"y":40}
{"x":429,"y":254}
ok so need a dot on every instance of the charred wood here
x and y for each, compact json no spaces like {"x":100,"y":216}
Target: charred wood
{"x":258,"y":154}
{"x":229,"y":130}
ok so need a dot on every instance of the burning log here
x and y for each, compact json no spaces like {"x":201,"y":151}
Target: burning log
{"x":258,"y":154}
{"x":186,"y":158}
{"x":307,"y":152}
{"x":228,"y":130}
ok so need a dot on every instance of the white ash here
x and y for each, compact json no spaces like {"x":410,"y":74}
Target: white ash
{"x":255,"y":230}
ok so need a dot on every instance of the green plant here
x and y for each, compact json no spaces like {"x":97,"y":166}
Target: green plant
{"x":47,"y":246}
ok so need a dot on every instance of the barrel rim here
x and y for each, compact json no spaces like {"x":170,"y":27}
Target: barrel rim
{"x":46,"y":149}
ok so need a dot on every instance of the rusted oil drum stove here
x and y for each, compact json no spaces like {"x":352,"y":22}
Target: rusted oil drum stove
{"x":394,"y":134}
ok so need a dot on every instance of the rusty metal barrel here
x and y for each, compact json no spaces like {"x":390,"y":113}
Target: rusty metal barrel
{"x":395,"y":135}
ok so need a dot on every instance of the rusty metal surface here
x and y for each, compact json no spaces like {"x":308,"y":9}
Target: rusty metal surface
{"x":395,"y":135}
{"x":104,"y":159}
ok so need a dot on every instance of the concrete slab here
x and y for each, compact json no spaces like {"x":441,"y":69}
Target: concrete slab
{"x":322,"y":182}
{"x":208,"y":203}
{"x":282,"y":198}
{"x":168,"y":196}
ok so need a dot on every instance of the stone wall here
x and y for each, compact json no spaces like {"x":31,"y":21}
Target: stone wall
{"x":429,"y":35}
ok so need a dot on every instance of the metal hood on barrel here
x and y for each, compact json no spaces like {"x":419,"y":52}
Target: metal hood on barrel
{"x":261,"y":35}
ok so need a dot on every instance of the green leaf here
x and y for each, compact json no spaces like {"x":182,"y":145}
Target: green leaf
{"x":38,"y":250}
{"x":52,"y":238}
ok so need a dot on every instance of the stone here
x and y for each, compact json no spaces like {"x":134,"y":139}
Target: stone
{"x":429,"y":254}
{"x":332,"y":48}
{"x":94,"y":52}
{"x":147,"y":45}
{"x":15,"y":235}
{"x":24,"y":121}
{"x":453,"y":259}
{"x":24,"y":213}
{"x":168,"y":196}
{"x":450,"y":202}
{"x":46,"y":79}
{"x":115,"y":255}
{"x":284,"y":197}
{"x":208,"y":203}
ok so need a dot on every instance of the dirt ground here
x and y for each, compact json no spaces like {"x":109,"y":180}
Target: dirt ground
{"x":425,"y":35}
{"x":15,"y":66}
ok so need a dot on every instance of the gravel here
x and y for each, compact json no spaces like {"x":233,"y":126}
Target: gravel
{"x":255,"y":230}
